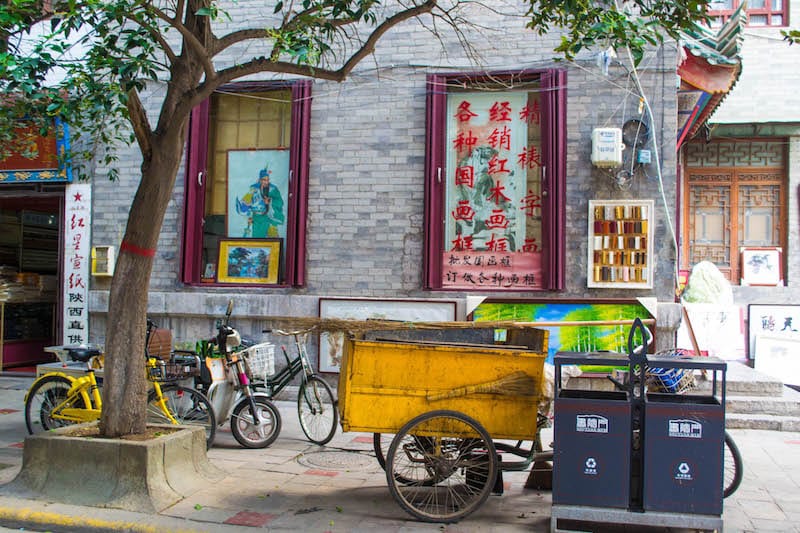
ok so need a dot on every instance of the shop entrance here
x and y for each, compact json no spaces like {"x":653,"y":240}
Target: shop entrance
{"x":30,"y":229}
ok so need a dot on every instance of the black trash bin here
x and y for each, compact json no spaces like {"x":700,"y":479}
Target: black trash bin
{"x":592,"y":440}
{"x":683,"y":444}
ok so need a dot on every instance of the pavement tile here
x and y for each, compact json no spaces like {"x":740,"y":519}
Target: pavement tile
{"x":250,"y":518}
{"x":773,"y":526}
{"x":764,"y":510}
{"x":274,"y":482}
{"x":323,"y":473}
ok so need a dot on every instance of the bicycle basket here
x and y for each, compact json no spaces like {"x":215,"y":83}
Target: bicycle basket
{"x":671,"y":380}
{"x":259,"y":361}
{"x":174,"y":370}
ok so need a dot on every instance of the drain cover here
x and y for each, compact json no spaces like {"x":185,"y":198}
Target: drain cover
{"x":337,"y":460}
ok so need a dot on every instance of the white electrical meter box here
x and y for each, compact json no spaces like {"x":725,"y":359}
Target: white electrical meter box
{"x":607,"y":147}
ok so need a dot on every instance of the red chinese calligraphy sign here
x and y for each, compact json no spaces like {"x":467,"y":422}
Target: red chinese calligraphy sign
{"x":469,"y":270}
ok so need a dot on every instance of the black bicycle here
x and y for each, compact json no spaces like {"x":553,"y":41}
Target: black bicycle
{"x":316,"y":404}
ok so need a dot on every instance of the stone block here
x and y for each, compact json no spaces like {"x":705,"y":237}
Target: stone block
{"x":144,"y":476}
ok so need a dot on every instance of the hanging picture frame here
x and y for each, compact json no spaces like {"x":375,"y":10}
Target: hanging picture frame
{"x":761,"y":266}
{"x":250,"y":261}
{"x":258,"y":189}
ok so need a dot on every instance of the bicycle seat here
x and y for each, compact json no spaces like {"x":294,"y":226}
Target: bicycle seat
{"x":83,"y":353}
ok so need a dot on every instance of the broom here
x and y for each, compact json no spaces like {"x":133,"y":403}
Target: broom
{"x":515,"y":384}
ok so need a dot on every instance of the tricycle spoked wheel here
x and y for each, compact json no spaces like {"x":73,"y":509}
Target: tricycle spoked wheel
{"x":441,"y":466}
{"x":252,"y":435}
{"x":316,"y":407}
{"x":381,"y":443}
{"x":187,"y":406}
{"x":734,"y":469}
{"x":48,"y":394}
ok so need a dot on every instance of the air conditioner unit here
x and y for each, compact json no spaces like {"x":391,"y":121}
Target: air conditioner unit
{"x":103,"y":260}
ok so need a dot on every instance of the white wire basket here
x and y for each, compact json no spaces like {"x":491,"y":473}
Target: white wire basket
{"x":259,"y":361}
{"x":672,"y":380}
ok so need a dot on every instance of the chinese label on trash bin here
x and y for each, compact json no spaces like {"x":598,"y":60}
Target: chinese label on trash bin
{"x":685,"y":429}
{"x":591,"y":424}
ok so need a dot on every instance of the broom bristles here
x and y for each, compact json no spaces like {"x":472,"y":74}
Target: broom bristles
{"x":515,"y":384}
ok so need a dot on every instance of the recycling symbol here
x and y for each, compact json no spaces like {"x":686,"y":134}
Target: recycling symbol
{"x":591,"y":463}
{"x":683,"y":468}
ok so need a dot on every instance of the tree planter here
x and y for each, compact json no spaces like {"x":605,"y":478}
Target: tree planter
{"x":145,"y":476}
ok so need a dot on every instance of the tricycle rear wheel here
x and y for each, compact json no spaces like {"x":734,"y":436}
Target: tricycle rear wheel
{"x":441,"y":466}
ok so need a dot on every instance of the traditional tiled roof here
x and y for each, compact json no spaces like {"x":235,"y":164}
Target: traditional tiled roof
{"x":711,"y":67}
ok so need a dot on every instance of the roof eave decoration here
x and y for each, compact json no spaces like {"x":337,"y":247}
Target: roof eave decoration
{"x":710,"y":68}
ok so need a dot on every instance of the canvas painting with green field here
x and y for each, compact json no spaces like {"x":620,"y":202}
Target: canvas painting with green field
{"x":572,"y":338}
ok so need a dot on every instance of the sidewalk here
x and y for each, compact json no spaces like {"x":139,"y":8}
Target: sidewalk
{"x":294,"y":485}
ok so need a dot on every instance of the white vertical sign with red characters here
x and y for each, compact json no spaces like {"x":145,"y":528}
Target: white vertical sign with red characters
{"x":77,"y":260}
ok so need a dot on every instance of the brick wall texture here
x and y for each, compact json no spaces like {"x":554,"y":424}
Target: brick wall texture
{"x":366,"y":190}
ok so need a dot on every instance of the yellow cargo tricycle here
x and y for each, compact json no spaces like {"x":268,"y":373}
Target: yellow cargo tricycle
{"x":453,"y":402}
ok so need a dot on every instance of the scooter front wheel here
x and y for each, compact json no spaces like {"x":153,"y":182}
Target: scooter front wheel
{"x":250,"y":434}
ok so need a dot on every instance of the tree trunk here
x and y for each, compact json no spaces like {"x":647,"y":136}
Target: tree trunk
{"x":124,"y":379}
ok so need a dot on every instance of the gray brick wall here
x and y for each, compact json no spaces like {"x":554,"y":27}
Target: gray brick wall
{"x":366,"y":191}
{"x":766,"y":90}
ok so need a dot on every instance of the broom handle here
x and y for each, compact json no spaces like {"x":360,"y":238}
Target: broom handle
{"x":453,"y":393}
{"x":689,"y":327}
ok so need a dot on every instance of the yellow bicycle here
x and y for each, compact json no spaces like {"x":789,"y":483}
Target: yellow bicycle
{"x":57,"y":399}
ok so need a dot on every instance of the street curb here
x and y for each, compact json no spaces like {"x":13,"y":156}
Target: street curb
{"x":25,"y":518}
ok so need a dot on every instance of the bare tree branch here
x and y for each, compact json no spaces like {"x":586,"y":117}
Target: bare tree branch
{"x":140,"y":123}
{"x":369,"y":45}
{"x":189,"y":39}
{"x":219,"y":45}
{"x":265,"y":64}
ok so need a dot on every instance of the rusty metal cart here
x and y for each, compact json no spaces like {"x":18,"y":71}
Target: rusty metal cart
{"x":453,"y":406}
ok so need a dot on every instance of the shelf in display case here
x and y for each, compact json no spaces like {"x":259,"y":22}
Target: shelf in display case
{"x":620,"y":244}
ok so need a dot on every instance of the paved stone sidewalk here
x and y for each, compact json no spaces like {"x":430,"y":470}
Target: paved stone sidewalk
{"x":294,"y":485}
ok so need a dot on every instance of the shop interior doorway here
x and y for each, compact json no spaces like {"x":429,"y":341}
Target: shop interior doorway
{"x":30,"y":229}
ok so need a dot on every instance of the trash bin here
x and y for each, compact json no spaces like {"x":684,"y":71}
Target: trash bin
{"x":592,"y":440}
{"x":683,"y":444}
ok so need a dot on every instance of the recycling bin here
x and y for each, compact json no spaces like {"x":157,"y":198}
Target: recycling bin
{"x":683,"y":444}
{"x":592,"y":440}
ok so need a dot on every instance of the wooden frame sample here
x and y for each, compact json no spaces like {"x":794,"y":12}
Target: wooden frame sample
{"x":762,"y":265}
{"x":252,"y":261}
{"x":620,"y":244}
{"x":330,"y":346}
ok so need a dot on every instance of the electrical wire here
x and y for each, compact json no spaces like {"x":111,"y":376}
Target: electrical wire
{"x":637,"y":81}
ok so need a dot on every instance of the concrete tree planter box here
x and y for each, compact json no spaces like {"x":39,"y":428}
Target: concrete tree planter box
{"x":144,"y":476}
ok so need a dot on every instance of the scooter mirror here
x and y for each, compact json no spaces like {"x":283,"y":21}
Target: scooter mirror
{"x":230,"y":308}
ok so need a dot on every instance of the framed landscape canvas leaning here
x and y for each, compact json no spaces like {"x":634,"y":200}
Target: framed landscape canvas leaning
{"x":249,"y":261}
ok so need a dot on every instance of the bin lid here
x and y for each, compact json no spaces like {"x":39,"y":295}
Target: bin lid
{"x":683,"y":361}
{"x":592,"y":358}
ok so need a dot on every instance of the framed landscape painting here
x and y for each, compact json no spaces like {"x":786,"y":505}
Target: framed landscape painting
{"x":253,"y":261}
